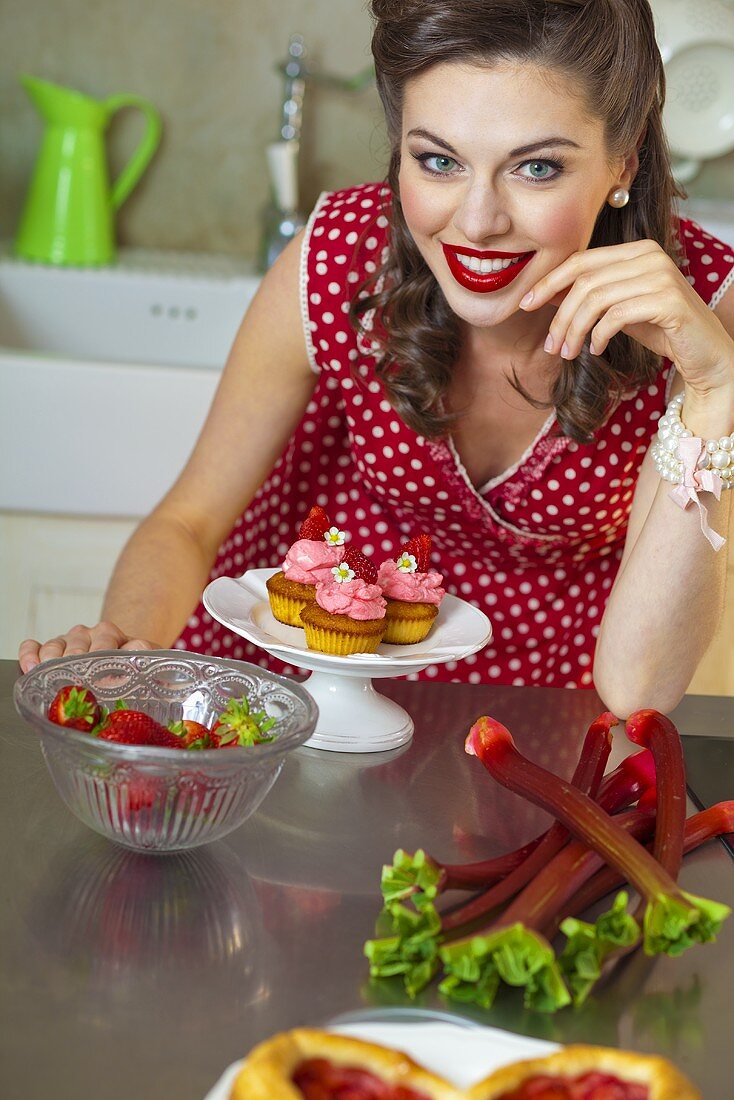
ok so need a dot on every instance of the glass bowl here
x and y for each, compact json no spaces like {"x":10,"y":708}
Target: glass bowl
{"x":155,"y":799}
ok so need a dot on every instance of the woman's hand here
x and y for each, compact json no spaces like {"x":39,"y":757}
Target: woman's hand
{"x":80,"y":639}
{"x":637,"y":289}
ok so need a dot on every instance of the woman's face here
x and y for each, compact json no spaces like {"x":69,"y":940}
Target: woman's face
{"x":502,"y":176}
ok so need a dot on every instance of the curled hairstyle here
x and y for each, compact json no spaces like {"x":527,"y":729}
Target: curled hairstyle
{"x":608,"y":48}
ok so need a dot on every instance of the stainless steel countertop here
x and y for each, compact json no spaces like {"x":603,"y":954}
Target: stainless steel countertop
{"x":124,"y":975}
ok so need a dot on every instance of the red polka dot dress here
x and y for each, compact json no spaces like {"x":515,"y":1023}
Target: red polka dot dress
{"x":537,"y":548}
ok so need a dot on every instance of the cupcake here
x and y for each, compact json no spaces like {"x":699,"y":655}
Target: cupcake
{"x":310,"y":560}
{"x":348,"y":613}
{"x":413,"y":593}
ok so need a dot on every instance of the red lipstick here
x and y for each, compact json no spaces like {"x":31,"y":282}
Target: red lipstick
{"x":484,"y":283}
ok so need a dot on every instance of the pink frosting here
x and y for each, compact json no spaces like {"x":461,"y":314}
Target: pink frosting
{"x":310,"y":560}
{"x":356,"y":598}
{"x":412,"y":587}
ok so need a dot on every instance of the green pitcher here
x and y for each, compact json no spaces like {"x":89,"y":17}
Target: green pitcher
{"x":68,"y":218}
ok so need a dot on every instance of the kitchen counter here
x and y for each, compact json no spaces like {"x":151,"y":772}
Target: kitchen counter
{"x":125,"y":975}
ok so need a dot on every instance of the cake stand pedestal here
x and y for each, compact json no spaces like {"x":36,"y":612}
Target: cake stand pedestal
{"x":353,"y":717}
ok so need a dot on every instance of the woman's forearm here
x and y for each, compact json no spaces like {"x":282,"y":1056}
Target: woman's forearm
{"x":157,"y":581}
{"x":667,"y":601}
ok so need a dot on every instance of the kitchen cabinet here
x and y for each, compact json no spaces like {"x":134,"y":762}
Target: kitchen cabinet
{"x":55,"y":570}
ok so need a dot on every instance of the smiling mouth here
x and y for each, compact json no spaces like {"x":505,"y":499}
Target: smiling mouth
{"x":485,"y":270}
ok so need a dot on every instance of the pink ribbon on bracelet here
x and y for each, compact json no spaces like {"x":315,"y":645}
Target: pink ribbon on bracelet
{"x":690,"y":449}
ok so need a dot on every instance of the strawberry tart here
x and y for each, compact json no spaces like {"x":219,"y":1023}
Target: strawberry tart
{"x":348,"y":612}
{"x":310,"y":560}
{"x":413,"y":593}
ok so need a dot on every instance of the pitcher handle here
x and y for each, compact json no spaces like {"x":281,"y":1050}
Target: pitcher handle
{"x":147,"y":146}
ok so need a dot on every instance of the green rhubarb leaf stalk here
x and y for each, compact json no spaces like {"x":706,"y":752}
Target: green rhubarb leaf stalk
{"x":673,"y":923}
{"x":410,"y":947}
{"x":408,"y":875}
{"x":515,"y":955}
{"x":589,"y":945}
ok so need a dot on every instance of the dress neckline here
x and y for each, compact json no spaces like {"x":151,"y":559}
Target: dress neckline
{"x":493,"y":482}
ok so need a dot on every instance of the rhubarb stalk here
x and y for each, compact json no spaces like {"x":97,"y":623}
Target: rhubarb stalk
{"x":655,"y":732}
{"x":421,"y":873}
{"x":590,"y":946}
{"x":410,"y":947}
{"x":513,"y":949}
{"x":674,"y":919}
{"x":716,"y":821}
{"x":587,"y":777}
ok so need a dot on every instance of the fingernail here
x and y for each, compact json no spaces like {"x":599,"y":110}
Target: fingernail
{"x":592,"y":349}
{"x":549,"y":342}
{"x":565,"y":353}
{"x":525,"y":302}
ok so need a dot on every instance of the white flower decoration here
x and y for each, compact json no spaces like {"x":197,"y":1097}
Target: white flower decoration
{"x":342,"y":573}
{"x":334,"y":537}
{"x":407,"y":563}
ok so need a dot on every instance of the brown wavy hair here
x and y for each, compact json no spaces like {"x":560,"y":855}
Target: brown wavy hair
{"x":608,"y":47}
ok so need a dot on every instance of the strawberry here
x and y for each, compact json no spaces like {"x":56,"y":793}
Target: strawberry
{"x":75,"y":707}
{"x":361,"y":566}
{"x":163,"y":738}
{"x":132,"y":727}
{"x":143,"y":790}
{"x":191,"y":734}
{"x":315,"y":524}
{"x":237,"y":726}
{"x":420,"y":548}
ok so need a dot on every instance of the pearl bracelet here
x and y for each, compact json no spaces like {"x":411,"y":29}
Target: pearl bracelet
{"x":717,"y":454}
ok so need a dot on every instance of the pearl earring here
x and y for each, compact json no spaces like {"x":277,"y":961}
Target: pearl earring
{"x":619,"y":198}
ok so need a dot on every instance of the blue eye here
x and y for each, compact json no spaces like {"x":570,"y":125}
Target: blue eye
{"x":444,"y":165}
{"x":541,"y":170}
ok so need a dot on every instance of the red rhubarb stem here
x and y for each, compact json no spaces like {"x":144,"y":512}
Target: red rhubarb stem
{"x":493,"y":744}
{"x":621,"y":788}
{"x":560,"y":880}
{"x":635,"y":774}
{"x":564,"y":876}
{"x":654,"y":731}
{"x":472,"y":876}
{"x":716,"y":821}
{"x":587,"y":777}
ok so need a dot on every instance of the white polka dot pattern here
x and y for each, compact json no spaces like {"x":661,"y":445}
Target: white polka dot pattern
{"x":537,"y":550}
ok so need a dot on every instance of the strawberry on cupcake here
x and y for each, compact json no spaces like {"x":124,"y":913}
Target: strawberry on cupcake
{"x":310,"y":560}
{"x":348,"y":613}
{"x":413,"y":593}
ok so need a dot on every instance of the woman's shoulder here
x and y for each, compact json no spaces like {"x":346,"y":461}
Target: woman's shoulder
{"x":706,"y":262}
{"x":358,"y":200}
{"x":347,"y":232}
{"x":344,"y":244}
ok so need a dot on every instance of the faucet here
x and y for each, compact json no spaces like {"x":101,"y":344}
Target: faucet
{"x":282,"y":218}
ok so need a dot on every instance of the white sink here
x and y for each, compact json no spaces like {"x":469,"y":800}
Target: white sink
{"x":106,"y":375}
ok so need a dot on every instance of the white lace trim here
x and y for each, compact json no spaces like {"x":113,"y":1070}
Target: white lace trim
{"x":721,"y":290}
{"x":499,"y":478}
{"x":303,"y":282}
{"x":485,"y":503}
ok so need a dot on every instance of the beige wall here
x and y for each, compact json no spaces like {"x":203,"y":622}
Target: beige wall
{"x":209,"y":65}
{"x":210,"y":68}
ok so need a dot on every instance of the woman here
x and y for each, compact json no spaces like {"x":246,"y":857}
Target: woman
{"x":480,"y":349}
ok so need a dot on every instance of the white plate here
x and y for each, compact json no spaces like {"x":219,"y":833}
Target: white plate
{"x":241,"y":604}
{"x":460,"y":1055}
{"x":352,"y":716}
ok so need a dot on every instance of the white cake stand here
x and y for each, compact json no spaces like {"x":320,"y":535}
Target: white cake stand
{"x":353,"y":717}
